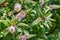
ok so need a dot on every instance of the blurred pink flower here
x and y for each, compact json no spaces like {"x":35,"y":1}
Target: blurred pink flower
{"x":23,"y":37}
{"x":11,"y":29}
{"x":21,"y":15}
{"x":17,"y":7}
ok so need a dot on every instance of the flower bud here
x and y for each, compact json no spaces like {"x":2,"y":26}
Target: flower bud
{"x":17,"y":7}
{"x":21,"y":15}
{"x":41,"y":2}
{"x":11,"y":29}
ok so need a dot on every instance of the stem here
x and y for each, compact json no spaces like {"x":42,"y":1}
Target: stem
{"x":13,"y":36}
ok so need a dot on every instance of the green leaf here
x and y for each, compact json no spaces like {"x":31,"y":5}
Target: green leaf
{"x":26,"y":32}
{"x":47,"y":25}
{"x":54,"y":6}
{"x":52,"y":19}
{"x":48,"y":15}
{"x":19,"y":29}
{"x":30,"y":36}
{"x":2,"y":1}
{"x":39,"y":19}
{"x":2,"y":20}
{"x":1,"y":36}
{"x":23,"y":24}
{"x":6,"y":23}
{"x":41,"y":26}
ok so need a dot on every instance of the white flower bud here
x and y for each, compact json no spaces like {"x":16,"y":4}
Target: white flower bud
{"x":41,"y":2}
{"x":17,"y":7}
{"x":11,"y":29}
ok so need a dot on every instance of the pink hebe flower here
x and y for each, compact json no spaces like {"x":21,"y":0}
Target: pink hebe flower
{"x":17,"y":7}
{"x":21,"y":15}
{"x":11,"y":29}
{"x":23,"y":37}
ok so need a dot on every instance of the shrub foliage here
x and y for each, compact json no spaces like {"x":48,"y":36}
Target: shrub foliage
{"x":37,"y":19}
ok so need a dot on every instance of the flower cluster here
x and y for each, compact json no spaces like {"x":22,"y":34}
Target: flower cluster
{"x":12,"y":29}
